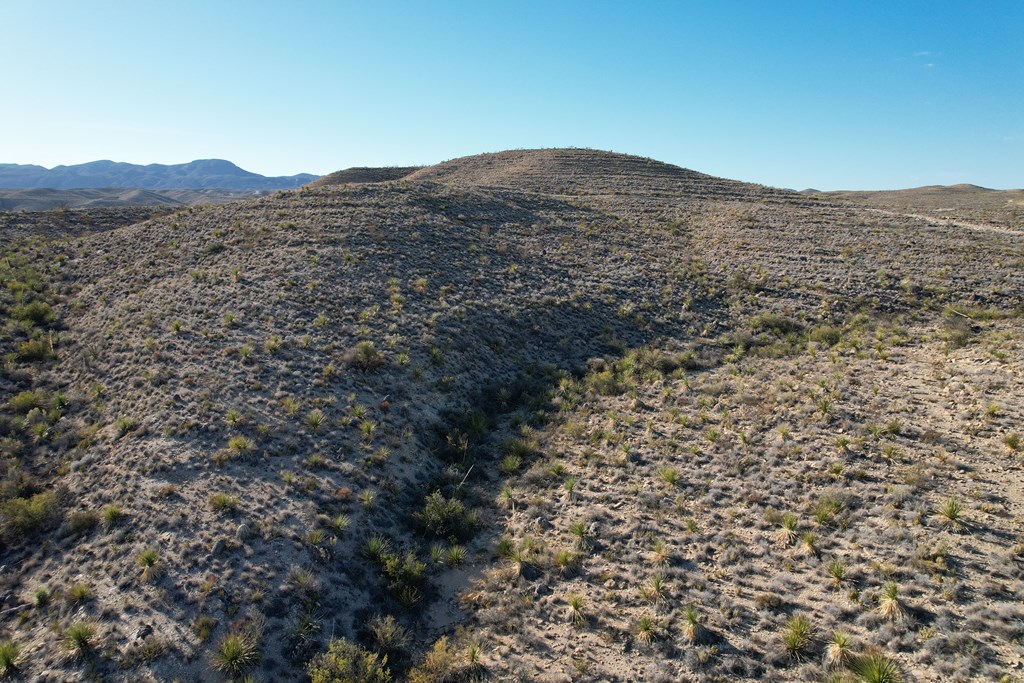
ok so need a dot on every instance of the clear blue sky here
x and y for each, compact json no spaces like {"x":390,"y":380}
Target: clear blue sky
{"x":832,"y":95}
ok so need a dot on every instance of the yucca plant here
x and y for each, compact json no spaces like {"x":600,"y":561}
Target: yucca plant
{"x":10,"y":652}
{"x":376,"y":548}
{"x":339,"y":525}
{"x":662,"y":552}
{"x":787,"y":531}
{"x":797,"y":636}
{"x":112,"y":514}
{"x":655,"y":589}
{"x":646,"y":629}
{"x":565,"y":560}
{"x":693,"y":632}
{"x":149,"y":561}
{"x":576,"y":614}
{"x":876,"y":668}
{"x":579,"y":530}
{"x":456,"y":556}
{"x":240,"y":444}
{"x":669,"y":475}
{"x":809,"y":544}
{"x":950,"y":514}
{"x":315,"y":419}
{"x":78,"y":638}
{"x":78,"y":594}
{"x":837,"y":570}
{"x":838,"y":650}
{"x":235,"y":653}
{"x":890,"y":604}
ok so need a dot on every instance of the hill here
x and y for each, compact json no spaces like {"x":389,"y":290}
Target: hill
{"x":940,"y":202}
{"x":200,"y":174}
{"x":363,"y":174}
{"x":539,"y":415}
{"x":44,"y":199}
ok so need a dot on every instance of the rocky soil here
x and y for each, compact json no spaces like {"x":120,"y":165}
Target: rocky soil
{"x":557,"y":414}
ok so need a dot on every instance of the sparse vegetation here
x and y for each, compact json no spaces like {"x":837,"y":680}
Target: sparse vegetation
{"x":723,"y":432}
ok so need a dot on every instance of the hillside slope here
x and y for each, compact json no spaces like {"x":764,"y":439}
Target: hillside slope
{"x":549,"y":415}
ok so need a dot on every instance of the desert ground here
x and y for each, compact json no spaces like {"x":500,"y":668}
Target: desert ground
{"x":539,"y":415}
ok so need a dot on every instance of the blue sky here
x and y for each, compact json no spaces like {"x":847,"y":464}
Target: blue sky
{"x":832,"y":95}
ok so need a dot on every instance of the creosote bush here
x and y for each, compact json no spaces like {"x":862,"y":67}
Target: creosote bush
{"x":346,"y":662}
{"x":443,"y":517}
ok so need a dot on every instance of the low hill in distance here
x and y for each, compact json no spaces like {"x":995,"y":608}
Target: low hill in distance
{"x":953,"y":202}
{"x":200,"y":174}
{"x":43,"y":199}
{"x":540,"y":415}
{"x":364,"y":174}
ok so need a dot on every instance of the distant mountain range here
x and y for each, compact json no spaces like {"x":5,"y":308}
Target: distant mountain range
{"x":195,"y":175}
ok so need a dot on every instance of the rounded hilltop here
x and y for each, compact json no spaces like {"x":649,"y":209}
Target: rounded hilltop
{"x":559,"y":171}
{"x":364,"y":174}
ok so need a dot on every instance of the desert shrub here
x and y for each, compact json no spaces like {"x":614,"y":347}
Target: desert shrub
{"x":797,"y":636}
{"x":36,"y":312}
{"x":776,"y":324}
{"x":22,"y":517}
{"x":365,"y":356}
{"x":439,"y":664}
{"x":22,"y":403}
{"x":605,"y":383}
{"x":78,"y":639}
{"x":826,"y":334}
{"x":388,"y":636}
{"x":235,"y":653}
{"x":442,"y":516}
{"x":9,"y":653}
{"x":34,"y":350}
{"x":957,"y":329}
{"x":222,"y":502}
{"x":83,"y":521}
{"x":346,"y":662}
{"x":876,"y":668}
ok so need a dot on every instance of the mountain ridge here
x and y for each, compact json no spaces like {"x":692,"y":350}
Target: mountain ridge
{"x":197,"y":174}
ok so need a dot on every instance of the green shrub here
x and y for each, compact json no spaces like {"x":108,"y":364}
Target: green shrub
{"x":797,"y":636}
{"x":346,"y":662}
{"x":36,"y":312}
{"x":776,"y":324}
{"x":826,"y":334}
{"x":25,"y":401}
{"x":78,"y":639}
{"x":444,"y":517}
{"x":34,"y":350}
{"x":876,"y":668}
{"x":236,"y":653}
{"x":440,"y":664}
{"x":9,"y":653}
{"x":223,"y":502}
{"x":366,"y":356}
{"x":22,"y":517}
